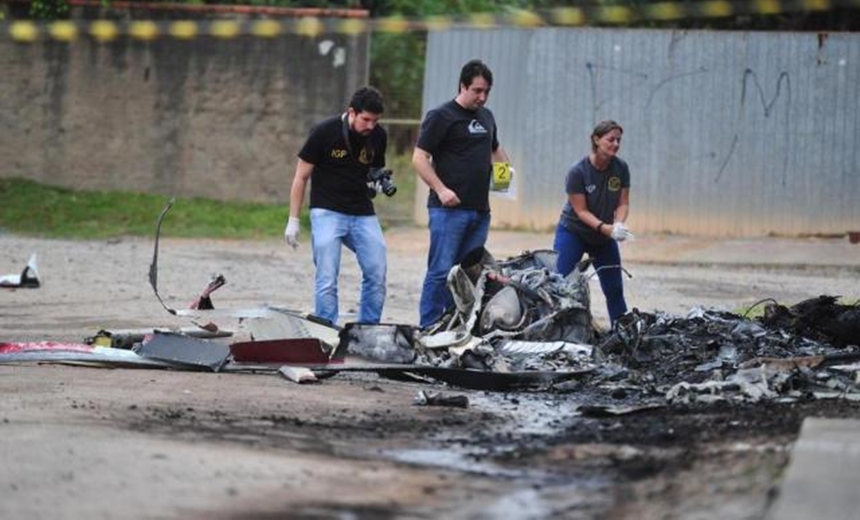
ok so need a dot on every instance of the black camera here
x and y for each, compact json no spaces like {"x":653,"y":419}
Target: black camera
{"x":380,"y":180}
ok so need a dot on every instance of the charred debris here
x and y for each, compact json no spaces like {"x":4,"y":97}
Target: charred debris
{"x":516,"y":324}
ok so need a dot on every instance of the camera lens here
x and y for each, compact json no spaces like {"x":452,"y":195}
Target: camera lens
{"x":388,"y":187}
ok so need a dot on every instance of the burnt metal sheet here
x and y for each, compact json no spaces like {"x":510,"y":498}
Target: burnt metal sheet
{"x":185,"y":350}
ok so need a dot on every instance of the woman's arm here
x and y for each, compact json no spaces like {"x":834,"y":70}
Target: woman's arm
{"x":580,"y":206}
{"x":623,"y":209}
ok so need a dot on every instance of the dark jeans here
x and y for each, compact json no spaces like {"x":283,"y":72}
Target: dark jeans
{"x":570,"y":249}
{"x":453,"y":233}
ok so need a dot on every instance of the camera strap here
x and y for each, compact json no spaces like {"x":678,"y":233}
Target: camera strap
{"x":345,"y":127}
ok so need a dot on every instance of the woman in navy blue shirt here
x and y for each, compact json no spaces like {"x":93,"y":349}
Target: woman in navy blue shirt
{"x":592,"y":221}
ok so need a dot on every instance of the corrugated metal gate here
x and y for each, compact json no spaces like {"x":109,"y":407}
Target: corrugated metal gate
{"x":726,"y":133}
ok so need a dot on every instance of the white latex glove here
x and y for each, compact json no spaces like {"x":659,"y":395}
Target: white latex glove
{"x":620,"y":232}
{"x":291,"y":234}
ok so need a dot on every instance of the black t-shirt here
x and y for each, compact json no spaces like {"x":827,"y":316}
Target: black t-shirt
{"x":602,"y":190}
{"x":339,"y":178}
{"x":462,"y":143}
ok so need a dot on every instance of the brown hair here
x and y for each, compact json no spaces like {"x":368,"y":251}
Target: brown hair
{"x":602,"y":128}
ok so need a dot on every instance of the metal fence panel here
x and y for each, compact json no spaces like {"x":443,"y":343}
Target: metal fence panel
{"x":726,"y":133}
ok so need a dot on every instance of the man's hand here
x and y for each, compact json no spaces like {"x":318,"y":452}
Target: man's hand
{"x":448,"y":198}
{"x":620,"y":232}
{"x":291,"y":234}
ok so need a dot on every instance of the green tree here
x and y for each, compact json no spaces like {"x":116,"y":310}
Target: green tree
{"x":49,"y":9}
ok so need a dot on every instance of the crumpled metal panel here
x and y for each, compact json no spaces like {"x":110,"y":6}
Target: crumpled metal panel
{"x":192,"y":352}
{"x":379,"y":342}
{"x":523,"y":298}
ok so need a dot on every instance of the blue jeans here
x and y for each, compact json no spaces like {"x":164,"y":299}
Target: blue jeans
{"x":570,"y":249}
{"x":453,"y":233}
{"x":363,"y":236}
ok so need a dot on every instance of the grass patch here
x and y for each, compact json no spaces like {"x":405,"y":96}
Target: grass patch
{"x":30,"y":208}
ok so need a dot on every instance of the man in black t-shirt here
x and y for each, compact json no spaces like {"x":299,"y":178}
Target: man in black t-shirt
{"x":337,"y":157}
{"x":457,"y":146}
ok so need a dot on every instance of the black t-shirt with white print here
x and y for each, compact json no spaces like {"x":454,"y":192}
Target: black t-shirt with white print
{"x":461,"y":143}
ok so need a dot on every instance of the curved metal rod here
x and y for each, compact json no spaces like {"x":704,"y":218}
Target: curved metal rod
{"x":153,"y":267}
{"x":616,"y":266}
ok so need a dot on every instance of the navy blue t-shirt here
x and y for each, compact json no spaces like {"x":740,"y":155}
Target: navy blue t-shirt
{"x":602,"y":190}
{"x":339,"y":178}
{"x":462,"y":143}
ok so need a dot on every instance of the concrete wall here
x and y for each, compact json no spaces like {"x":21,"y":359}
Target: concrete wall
{"x":205,"y":117}
{"x":726,"y":133}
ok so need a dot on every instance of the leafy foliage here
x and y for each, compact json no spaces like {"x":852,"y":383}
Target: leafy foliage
{"x":49,"y":9}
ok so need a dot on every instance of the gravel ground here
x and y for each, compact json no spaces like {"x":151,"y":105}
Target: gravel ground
{"x":87,"y":442}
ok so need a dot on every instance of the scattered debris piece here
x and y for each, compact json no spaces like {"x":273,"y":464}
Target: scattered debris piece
{"x":453,"y":401}
{"x":791,"y":363}
{"x":298,"y":374}
{"x":521,"y":298}
{"x":598,"y":410}
{"x":821,"y":319}
{"x":278,"y":323}
{"x":379,"y":342}
{"x":204,"y":301}
{"x":310,"y":351}
{"x":153,"y":267}
{"x":128,"y":338}
{"x":711,"y":356}
{"x":184,"y":350}
{"x":12,"y":348}
{"x":751,"y":384}
{"x":28,"y":279}
{"x":76,"y":353}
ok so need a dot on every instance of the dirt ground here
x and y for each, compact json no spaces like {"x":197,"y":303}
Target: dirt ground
{"x":81,"y":442}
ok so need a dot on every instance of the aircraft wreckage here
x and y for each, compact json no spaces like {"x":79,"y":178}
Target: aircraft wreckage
{"x":516,"y":324}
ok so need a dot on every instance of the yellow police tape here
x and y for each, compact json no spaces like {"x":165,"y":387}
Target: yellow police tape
{"x":310,"y":26}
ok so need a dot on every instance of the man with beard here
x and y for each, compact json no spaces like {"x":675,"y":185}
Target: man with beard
{"x":338,"y":155}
